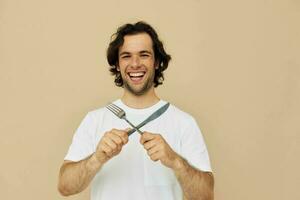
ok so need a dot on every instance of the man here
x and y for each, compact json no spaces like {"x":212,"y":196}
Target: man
{"x":168,"y":161}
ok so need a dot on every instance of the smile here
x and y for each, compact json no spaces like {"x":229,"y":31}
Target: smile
{"x":136,"y":77}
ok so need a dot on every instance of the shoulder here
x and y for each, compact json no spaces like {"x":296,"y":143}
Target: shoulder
{"x":96,"y":114}
{"x":183,"y":122}
{"x":180,"y":115}
{"x":101,"y":111}
{"x":97,"y":111}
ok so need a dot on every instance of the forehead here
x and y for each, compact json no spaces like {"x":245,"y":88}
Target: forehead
{"x":136,"y":43}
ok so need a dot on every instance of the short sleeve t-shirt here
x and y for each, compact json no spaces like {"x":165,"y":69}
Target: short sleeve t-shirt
{"x":132,"y":175}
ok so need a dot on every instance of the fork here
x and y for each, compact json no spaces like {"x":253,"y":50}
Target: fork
{"x":119,"y":112}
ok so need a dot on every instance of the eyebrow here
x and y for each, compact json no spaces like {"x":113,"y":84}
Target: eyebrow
{"x":141,"y":52}
{"x":145,"y":51}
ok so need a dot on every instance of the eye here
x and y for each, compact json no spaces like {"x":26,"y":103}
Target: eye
{"x":144,"y":55}
{"x":126,"y":56}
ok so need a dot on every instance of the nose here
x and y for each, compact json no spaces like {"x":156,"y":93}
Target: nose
{"x":135,"y":61}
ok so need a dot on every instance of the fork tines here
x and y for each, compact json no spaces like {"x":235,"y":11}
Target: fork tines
{"x":116,"y":110}
{"x":119,"y":112}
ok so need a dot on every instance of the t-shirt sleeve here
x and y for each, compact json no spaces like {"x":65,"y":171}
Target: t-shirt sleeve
{"x":82,"y":144}
{"x":193,"y":147}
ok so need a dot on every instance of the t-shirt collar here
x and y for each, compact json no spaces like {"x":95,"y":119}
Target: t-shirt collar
{"x":150,"y":109}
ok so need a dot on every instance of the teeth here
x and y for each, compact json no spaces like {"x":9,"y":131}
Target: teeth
{"x":136,"y":74}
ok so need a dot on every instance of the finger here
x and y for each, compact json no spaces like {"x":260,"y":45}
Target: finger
{"x":149,"y":144}
{"x":127,"y":129}
{"x":156,"y":156}
{"x":110,"y":143}
{"x":121,"y":133}
{"x":154,"y":150}
{"x":106,"y":149}
{"x":117,"y":139}
{"x":128,"y":133}
{"x":124,"y":135}
{"x":146,"y":136}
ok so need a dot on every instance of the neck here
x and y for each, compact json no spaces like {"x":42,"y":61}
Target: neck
{"x":146,"y":100}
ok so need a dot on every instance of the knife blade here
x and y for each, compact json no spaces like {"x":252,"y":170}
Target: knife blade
{"x":152,"y":117}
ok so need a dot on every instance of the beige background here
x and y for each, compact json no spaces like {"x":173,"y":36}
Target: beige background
{"x":235,"y":67}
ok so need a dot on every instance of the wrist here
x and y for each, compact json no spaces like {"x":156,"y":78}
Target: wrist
{"x":94,"y":162}
{"x":178,"y":164}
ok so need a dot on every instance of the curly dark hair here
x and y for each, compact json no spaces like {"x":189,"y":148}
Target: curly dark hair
{"x":161,"y":57}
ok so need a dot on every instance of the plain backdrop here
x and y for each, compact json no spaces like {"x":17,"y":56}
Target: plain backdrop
{"x":235,"y":68}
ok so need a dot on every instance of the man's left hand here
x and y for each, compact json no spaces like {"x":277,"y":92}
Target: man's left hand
{"x":158,"y":149}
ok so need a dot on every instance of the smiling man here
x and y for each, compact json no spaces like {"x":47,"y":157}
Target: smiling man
{"x":169,"y":160}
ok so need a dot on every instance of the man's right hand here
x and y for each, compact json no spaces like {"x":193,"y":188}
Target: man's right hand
{"x":111,"y":144}
{"x":76,"y":176}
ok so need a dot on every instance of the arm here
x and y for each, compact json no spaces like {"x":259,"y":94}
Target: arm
{"x":196,"y":185}
{"x":74,"y":177}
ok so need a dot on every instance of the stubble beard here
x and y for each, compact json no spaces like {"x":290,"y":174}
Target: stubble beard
{"x":145,"y":88}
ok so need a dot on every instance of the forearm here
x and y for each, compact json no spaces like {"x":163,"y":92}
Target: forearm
{"x":196,"y":185}
{"x":74,"y":177}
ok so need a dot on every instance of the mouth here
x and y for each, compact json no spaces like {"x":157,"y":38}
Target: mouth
{"x":136,"y":77}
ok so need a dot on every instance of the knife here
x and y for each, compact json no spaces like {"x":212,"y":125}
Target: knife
{"x":152,"y":117}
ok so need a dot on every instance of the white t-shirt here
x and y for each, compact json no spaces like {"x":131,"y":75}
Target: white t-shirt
{"x":132,"y":175}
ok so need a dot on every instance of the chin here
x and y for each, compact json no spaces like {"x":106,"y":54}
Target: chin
{"x":138,"y":91}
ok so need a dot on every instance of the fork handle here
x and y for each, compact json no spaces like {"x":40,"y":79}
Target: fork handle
{"x":135,"y":128}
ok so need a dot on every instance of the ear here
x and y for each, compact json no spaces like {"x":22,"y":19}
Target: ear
{"x":156,"y":65}
{"x":117,"y":67}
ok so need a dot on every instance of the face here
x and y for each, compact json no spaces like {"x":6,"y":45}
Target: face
{"x":136,"y":63}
